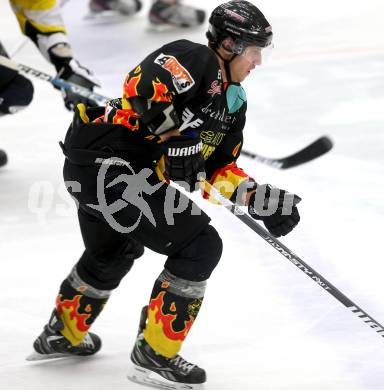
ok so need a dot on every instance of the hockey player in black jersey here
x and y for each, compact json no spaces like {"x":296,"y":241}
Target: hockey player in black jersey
{"x":182,"y":113}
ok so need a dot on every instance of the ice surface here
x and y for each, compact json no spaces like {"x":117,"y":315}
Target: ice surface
{"x":264,"y":324}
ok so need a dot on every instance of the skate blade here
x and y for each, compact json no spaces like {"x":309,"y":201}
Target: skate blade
{"x":35,"y":356}
{"x":160,"y":28}
{"x":149,"y":378}
{"x":107,"y":17}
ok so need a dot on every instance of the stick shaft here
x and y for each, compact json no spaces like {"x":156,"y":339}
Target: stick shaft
{"x":55,"y":81}
{"x":294,"y":259}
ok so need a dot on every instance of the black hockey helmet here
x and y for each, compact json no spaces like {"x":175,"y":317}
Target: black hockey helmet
{"x":243,"y":22}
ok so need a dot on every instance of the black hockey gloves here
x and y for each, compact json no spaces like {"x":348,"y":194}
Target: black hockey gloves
{"x":276,"y":208}
{"x":183,"y":161}
{"x":75,"y":73}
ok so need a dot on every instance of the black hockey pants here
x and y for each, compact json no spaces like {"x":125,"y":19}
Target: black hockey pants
{"x":192,"y":245}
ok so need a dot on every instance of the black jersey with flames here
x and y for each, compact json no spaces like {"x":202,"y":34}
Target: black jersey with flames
{"x":187,"y":75}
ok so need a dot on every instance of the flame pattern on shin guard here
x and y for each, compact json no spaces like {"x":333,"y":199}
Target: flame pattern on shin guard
{"x":75,"y":322}
{"x":78,"y":309}
{"x":171,"y":314}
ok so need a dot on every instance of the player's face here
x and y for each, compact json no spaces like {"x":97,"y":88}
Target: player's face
{"x":243,"y":64}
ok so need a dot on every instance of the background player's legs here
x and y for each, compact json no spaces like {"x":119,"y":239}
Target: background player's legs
{"x":173,"y":12}
{"x":124,"y":7}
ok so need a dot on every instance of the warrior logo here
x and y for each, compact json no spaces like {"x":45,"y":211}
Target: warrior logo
{"x":182,"y":80}
{"x":189,"y":151}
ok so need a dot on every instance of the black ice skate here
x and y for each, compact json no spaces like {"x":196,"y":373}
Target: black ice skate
{"x":152,"y":369}
{"x":113,"y":8}
{"x":52,"y":344}
{"x":178,"y":15}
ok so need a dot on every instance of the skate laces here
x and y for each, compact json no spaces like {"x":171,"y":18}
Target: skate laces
{"x":87,"y":342}
{"x":179,"y":362}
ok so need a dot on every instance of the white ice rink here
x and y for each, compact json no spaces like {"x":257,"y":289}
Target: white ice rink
{"x":264,"y":324}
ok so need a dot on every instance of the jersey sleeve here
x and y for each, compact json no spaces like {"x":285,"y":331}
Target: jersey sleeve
{"x":221,"y":167}
{"x":169,"y":72}
{"x":165,"y":76}
{"x":41,"y":21}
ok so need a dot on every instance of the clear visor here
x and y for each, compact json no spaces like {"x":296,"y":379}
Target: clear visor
{"x":254,"y":54}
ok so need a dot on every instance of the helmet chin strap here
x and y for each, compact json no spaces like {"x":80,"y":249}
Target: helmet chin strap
{"x":227,"y":64}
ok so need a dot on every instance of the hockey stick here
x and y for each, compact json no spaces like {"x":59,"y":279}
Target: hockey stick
{"x":309,"y":153}
{"x":312,"y":151}
{"x":293,"y":258}
{"x":55,"y":81}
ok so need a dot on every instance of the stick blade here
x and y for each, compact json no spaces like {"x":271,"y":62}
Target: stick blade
{"x":316,"y":149}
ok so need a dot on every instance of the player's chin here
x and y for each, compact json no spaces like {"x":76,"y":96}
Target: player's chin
{"x":246,"y":74}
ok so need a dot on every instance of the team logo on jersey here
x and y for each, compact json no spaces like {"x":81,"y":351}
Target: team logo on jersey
{"x":187,"y":117}
{"x":215,"y":88}
{"x":211,"y":140}
{"x":219,"y":114}
{"x":181,"y":78}
{"x":212,"y":137}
